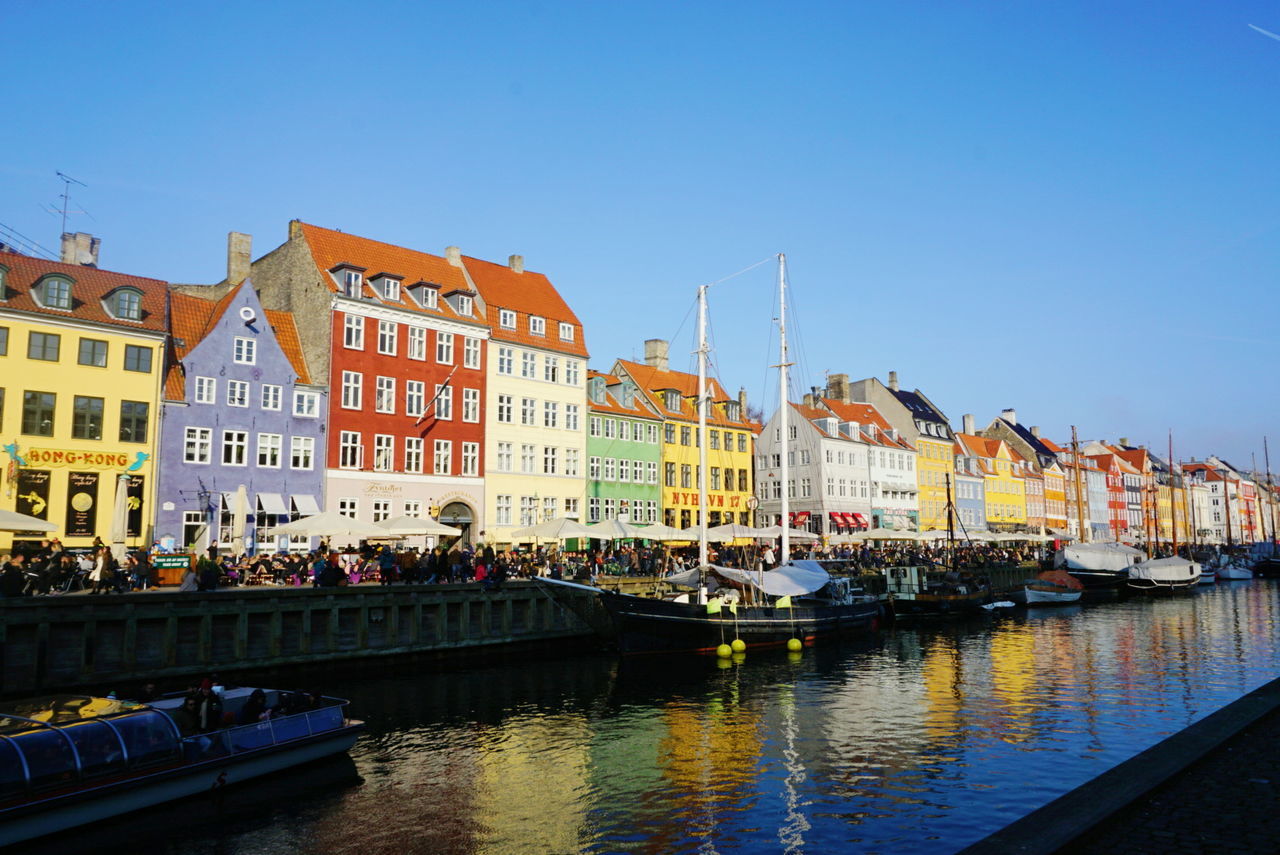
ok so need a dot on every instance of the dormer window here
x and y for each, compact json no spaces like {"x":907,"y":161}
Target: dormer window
{"x":125,"y":304}
{"x":387,"y":286}
{"x":506,"y":319}
{"x":464,"y":305}
{"x":596,"y":389}
{"x":425,"y":293}
{"x":55,"y":293}
{"x":628,"y":396}
{"x":4,"y":275}
{"x":537,"y":325}
{"x":566,"y":332}
{"x":733,"y":411}
{"x":349,"y":278}
{"x":671,"y":399}
{"x":460,"y":301}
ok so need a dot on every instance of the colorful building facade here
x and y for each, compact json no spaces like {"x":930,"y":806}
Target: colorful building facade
{"x":624,"y":452}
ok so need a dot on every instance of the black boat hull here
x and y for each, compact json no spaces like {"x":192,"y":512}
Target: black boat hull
{"x":1100,"y":580}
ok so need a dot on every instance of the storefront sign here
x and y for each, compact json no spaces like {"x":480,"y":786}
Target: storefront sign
{"x":71,"y":457}
{"x":33,"y":493}
{"x":714,"y":500}
{"x":133,"y":522}
{"x":82,"y":504}
{"x":382,"y":489}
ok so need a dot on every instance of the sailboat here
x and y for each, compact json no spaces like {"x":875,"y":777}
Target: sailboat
{"x":798,"y":601}
{"x":1167,"y":574}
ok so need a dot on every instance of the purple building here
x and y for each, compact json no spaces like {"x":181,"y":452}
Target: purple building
{"x":239,"y":411}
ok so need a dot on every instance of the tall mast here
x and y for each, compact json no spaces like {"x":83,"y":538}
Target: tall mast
{"x":702,"y":424}
{"x":1173,"y":496}
{"x":784,"y":406}
{"x":1075,"y":452}
{"x":951,"y":526}
{"x":1226,"y":500}
{"x":1262,"y":517}
{"x":1271,"y":493}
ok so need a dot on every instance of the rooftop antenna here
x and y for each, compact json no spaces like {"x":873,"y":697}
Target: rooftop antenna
{"x":67,"y":181}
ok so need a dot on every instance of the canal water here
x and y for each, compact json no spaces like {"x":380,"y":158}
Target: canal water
{"x":924,"y":740}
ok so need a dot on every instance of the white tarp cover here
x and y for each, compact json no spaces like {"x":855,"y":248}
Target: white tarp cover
{"x":1098,"y":556}
{"x":1167,"y":570}
{"x":799,"y":577}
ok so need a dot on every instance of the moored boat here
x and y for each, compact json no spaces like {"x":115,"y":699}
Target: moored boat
{"x":931,"y":592}
{"x":1208,"y":574}
{"x":1098,"y":565}
{"x":69,"y":760}
{"x":1050,"y":588}
{"x":1230,"y":569}
{"x":1164,"y":575}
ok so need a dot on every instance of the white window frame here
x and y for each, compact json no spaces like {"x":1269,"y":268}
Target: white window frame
{"x":506,"y":360}
{"x":417,"y":346}
{"x":235,"y":441}
{"x":470,"y":352}
{"x":306,"y":405}
{"x":206,"y":390}
{"x":413,"y":454}
{"x":502,"y":506}
{"x":272,"y":396}
{"x":350,"y":450}
{"x":384,"y":395}
{"x":550,"y":414}
{"x":415,"y":397}
{"x":270,"y":448}
{"x":244,"y":351}
{"x":506,"y":319}
{"x":506,"y":409}
{"x":442,"y":459}
{"x":470,"y":458}
{"x":302,"y":452}
{"x":197,"y":445}
{"x":572,"y":459}
{"x":444,"y":403}
{"x":504,"y":457}
{"x":444,"y":348}
{"x":384,"y":452}
{"x":528,"y":364}
{"x":353,"y":332}
{"x":237,"y":393}
{"x":471,"y":405}
{"x":349,"y":508}
{"x":537,"y":325}
{"x":571,"y":417}
{"x":352,"y":390}
{"x":388,"y":337}
{"x":566,"y":331}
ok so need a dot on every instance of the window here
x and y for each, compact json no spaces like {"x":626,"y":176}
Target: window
{"x":269,"y":447}
{"x":390,"y":290}
{"x":551,"y":369}
{"x":671,"y":399}
{"x":572,"y":372}
{"x":505,"y":407}
{"x":742,"y":481}
{"x":197,"y":445}
{"x":417,"y":343}
{"x":637,"y":470}
{"x":593,"y":510}
{"x":244,"y":351}
{"x":443,"y":456}
{"x":444,"y":348}
{"x":412,"y":454}
{"x":237,"y":393}
{"x":470,"y":458}
{"x":624,"y":471}
{"x":571,"y":458}
{"x":464,"y":305}
{"x":414,"y":397}
{"x":669,"y":474}
{"x":43,"y":346}
{"x":715,"y":477}
{"x":471,"y":405}
{"x":430,"y":298}
{"x":381,"y":510}
{"x":271,"y":396}
{"x":669,"y":434}
{"x":549,"y":508}
{"x":384,"y":395}
{"x":506,"y":360}
{"x":526,"y":458}
{"x":528,"y":364}
{"x":653,"y":434}
{"x":550,"y":414}
{"x":137,"y":358}
{"x":528,"y":510}
{"x":742,"y":443}
{"x":594,"y":426}
{"x":610,"y":469}
{"x":652,"y":468}
{"x":383,"y":452}
{"x":571,"y":417}
{"x":352,"y":381}
{"x":4,"y":331}
{"x":306,"y":404}
{"x":593,"y":468}
{"x":610,"y":429}
{"x":503,"y":507}
{"x":470,"y":352}
{"x":506,"y":319}
{"x":549,"y":455}
{"x":93,"y":352}
{"x":235,"y":447}
{"x":347,"y":507}
{"x":713,"y":437}
{"x":352,"y":281}
{"x":537,"y":325}
{"x":686,"y":475}
{"x":504,"y":457}
{"x":133,"y":421}
{"x":86,"y":418}
{"x":127,"y":305}
{"x":566,"y":332}
{"x":610,"y":508}
{"x":387,"y":337}
{"x":527,"y":408}
{"x":350,"y":450}
{"x":302,"y":451}
{"x":353,"y":332}
{"x":55,"y":293}
{"x":444,"y":403}
{"x":685,"y":435}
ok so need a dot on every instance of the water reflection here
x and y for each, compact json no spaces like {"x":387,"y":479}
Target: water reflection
{"x":922,"y":740}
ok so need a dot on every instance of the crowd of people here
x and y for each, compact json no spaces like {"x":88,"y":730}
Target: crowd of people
{"x":51,"y":569}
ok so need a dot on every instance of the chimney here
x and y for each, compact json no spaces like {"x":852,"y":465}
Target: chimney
{"x":1035,"y":431}
{"x":516,"y":263}
{"x":656,"y":351}
{"x":1124,"y":441}
{"x":893,"y":381}
{"x":742,"y":400}
{"x":808,"y":399}
{"x":966,"y":422}
{"x":295,"y":230}
{"x":80,"y":248}
{"x":1010,"y":415}
{"x":453,"y":255}
{"x":239,"y":256}
{"x":838,"y":387}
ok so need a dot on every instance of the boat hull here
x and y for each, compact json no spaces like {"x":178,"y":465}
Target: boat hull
{"x":1099,"y":580}
{"x":1234,"y":572}
{"x":645,"y":625}
{"x":1038,"y":597}
{"x":939,"y":605}
{"x":37,"y":819}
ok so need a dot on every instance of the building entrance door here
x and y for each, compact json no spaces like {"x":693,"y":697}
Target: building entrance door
{"x":458,"y":515}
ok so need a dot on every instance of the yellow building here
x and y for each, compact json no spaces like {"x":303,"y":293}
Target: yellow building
{"x":935,"y":460}
{"x":1055,"y":497}
{"x":81,"y":363}
{"x":730,"y":442}
{"x":1003,"y":481}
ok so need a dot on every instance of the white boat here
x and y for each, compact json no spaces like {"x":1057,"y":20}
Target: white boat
{"x":1230,"y":569}
{"x":71,"y":760}
{"x":1051,"y":588}
{"x":1098,"y":565}
{"x":1164,"y":574}
{"x":1208,"y":574}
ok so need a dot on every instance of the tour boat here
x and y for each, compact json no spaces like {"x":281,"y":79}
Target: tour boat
{"x":1051,"y":588}
{"x":1164,"y":574}
{"x":70,"y":760}
{"x":933,"y":592}
{"x":1098,"y":565}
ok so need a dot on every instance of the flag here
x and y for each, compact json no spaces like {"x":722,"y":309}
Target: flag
{"x":713,"y":607}
{"x":439,"y":391}
{"x":783,"y":603}
{"x":733,"y":607}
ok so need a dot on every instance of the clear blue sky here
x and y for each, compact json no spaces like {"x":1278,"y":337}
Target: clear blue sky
{"x":1071,"y":209}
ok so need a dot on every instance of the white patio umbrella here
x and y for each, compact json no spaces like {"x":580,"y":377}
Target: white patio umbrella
{"x":404,"y":526}
{"x":120,"y":518}
{"x":14,"y":521}
{"x":560,"y":528}
{"x":614,"y":529}
{"x":734,"y":531}
{"x":330,"y":524}
{"x":885,"y":534}
{"x":936,"y":535}
{"x":661,"y":532}
{"x":775,"y":531}
{"x":239,"y":518}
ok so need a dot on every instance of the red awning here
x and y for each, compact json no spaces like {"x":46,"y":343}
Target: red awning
{"x":799,"y":518}
{"x":858,"y":521}
{"x":845,"y":520}
{"x":837,"y":519}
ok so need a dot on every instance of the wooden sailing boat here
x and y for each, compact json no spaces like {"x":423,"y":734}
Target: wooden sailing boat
{"x":1097,"y":566}
{"x":798,"y":600}
{"x":1167,"y":574}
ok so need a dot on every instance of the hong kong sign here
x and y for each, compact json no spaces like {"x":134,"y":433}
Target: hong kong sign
{"x":71,"y":457}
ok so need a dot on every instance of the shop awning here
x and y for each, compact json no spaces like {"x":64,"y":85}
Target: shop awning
{"x":229,"y":501}
{"x":846,"y":520}
{"x":859,"y":521}
{"x":272,"y":503}
{"x":799,"y":518}
{"x":837,"y":519}
{"x":305,"y":505}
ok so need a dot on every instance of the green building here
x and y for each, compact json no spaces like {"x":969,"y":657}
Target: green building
{"x":623,"y":450}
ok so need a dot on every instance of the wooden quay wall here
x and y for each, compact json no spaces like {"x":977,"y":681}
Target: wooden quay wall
{"x":50,"y":644}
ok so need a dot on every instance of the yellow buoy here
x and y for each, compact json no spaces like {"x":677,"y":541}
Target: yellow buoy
{"x":795,"y":657}
{"x":739,"y":658}
{"x":738,"y":645}
{"x":724,"y":663}
{"x":794,"y":645}
{"x":724,"y":651}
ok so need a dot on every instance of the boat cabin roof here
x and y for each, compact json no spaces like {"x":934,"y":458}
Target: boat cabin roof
{"x":58,"y":710}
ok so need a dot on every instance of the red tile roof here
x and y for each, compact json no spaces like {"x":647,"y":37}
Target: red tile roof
{"x":653,"y":380}
{"x":528,"y":294}
{"x":287,"y":335}
{"x":89,"y":286}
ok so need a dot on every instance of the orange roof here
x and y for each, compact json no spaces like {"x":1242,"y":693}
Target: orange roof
{"x":287,"y":335}
{"x":330,"y":248}
{"x":89,"y":286}
{"x":652,"y":380}
{"x":864,"y":415}
{"x":1052,"y":446}
{"x":528,"y":294}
